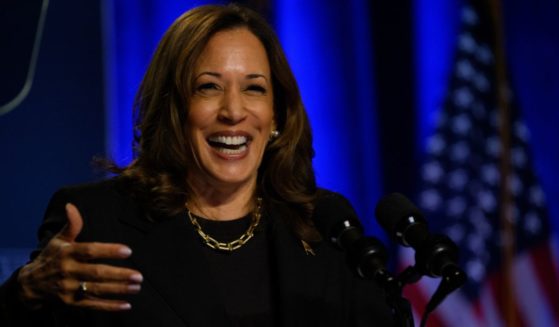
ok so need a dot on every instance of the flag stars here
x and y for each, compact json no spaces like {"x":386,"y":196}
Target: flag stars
{"x":463,"y":97}
{"x":490,"y":174}
{"x":432,"y":171}
{"x":518,"y":156}
{"x":493,"y":146}
{"x":457,"y":179}
{"x":456,"y":233}
{"x":479,"y":221}
{"x":532,"y":223}
{"x":536,"y":196}
{"x":469,"y":16}
{"x":456,"y":207}
{"x":459,"y":151}
{"x":481,"y":83}
{"x":486,"y":201}
{"x":435,"y":144}
{"x":475,"y":270}
{"x":521,"y":131}
{"x":465,"y":70}
{"x":430,"y":200}
{"x":515,"y":184}
{"x":467,"y":43}
{"x":461,"y":124}
{"x":484,"y":54}
{"x":476,"y":243}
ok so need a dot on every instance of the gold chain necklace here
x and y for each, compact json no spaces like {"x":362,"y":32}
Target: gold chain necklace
{"x":235,"y":244}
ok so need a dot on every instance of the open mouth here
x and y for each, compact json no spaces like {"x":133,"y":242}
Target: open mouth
{"x":229,"y":144}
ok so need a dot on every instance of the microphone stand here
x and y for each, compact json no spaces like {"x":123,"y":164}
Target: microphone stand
{"x":367,"y":263}
{"x":452,"y":278}
{"x":436,"y":259}
{"x":401,"y":307}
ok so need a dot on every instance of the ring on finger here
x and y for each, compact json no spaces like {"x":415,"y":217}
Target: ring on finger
{"x":83,"y":287}
{"x":82,"y":290}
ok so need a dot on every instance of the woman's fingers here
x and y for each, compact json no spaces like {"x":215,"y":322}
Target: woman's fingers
{"x":104,"y":305}
{"x":74,"y":225}
{"x":93,"y":295}
{"x":105,"y":273}
{"x":102,"y":289}
{"x":94,"y":250}
{"x":94,"y":303}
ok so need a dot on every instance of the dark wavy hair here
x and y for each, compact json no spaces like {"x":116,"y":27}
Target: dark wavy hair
{"x":286,"y":180}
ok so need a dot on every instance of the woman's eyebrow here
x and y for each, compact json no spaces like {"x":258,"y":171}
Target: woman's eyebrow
{"x":215,"y":74}
{"x":254,"y":75}
{"x":218,"y":75}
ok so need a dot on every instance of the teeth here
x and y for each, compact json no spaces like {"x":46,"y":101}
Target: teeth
{"x":229,"y":140}
{"x":232,"y":151}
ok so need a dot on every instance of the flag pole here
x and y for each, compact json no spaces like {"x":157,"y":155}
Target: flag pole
{"x":506,"y":197}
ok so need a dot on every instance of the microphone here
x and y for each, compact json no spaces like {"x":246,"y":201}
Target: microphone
{"x":335,"y":219}
{"x":436,"y":255}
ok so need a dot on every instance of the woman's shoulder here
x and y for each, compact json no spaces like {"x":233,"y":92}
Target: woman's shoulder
{"x":100,"y":188}
{"x":106,"y":195}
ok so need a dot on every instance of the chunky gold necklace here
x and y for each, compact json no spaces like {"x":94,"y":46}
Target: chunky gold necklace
{"x":235,"y":244}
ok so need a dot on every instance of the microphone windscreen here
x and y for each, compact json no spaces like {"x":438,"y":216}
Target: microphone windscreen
{"x":392,"y":209}
{"x":330,"y":211}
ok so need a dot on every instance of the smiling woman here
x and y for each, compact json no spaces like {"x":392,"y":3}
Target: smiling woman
{"x":230,"y":121}
{"x":213,"y":223}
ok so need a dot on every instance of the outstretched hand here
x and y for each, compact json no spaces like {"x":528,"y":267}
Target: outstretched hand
{"x":63,"y":270}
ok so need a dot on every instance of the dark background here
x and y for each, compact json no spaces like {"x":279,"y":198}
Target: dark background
{"x":50,"y":138}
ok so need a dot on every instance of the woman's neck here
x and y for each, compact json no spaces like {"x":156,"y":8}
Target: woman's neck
{"x":221,"y":203}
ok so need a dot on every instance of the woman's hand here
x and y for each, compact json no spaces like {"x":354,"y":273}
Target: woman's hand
{"x":63,"y":270}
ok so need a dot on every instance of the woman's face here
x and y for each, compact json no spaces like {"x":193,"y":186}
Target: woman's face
{"x":231,"y":110}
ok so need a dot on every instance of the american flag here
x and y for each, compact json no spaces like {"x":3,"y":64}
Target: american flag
{"x":509,"y":257}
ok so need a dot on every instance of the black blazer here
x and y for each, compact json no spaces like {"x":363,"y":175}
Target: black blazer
{"x":177,"y":289}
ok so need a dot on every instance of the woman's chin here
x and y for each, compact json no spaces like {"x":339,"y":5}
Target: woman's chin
{"x":233,"y":178}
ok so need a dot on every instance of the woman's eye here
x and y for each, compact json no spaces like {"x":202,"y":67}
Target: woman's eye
{"x":205,"y":87}
{"x":256,"y":89}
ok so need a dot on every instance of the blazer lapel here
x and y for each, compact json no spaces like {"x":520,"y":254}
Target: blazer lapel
{"x":174,"y":265}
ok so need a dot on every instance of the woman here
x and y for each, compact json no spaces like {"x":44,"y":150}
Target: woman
{"x":212,"y":224}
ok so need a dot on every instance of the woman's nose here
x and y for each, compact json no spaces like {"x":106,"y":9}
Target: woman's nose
{"x":232,"y":108}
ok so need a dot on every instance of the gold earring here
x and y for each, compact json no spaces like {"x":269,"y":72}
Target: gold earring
{"x":274,"y":134}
